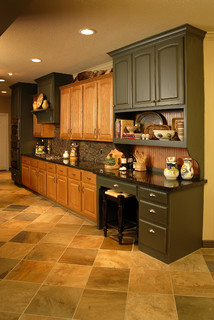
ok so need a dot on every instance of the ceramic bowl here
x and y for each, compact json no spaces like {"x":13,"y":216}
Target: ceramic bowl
{"x":164,"y":134}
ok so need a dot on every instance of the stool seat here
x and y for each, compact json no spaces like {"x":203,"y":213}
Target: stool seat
{"x":123,"y":200}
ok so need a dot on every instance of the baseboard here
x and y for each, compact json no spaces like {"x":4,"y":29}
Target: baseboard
{"x":208,"y":243}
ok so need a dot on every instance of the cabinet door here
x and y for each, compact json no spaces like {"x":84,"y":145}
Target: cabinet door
{"x":122,"y":82}
{"x":105,"y":109}
{"x":143,"y":78}
{"x":26,"y":175}
{"x":37,"y":127}
{"x":33,"y":178}
{"x":74,"y":195}
{"x":65,"y":113}
{"x":51,"y":185}
{"x":62,"y":190}
{"x":90,"y":110}
{"x":170,"y":72}
{"x":42,"y":182}
{"x":89,"y":205}
{"x":76,"y":112}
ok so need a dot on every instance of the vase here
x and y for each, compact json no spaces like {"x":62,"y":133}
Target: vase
{"x":171,"y":172}
{"x":187,"y":171}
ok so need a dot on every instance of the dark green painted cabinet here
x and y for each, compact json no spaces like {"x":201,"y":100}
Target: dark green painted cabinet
{"x":122,"y":82}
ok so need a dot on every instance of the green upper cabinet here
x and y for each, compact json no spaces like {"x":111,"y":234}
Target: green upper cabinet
{"x":122,"y":82}
{"x":143,"y":77}
{"x":150,"y":76}
{"x":169,"y":72}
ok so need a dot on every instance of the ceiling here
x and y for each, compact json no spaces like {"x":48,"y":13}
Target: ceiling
{"x":49,"y":29}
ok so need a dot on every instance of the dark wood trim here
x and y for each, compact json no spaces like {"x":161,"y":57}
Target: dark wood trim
{"x":208,"y":243}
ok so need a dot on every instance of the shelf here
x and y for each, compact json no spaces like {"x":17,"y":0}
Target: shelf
{"x":41,"y":110}
{"x":156,"y":143}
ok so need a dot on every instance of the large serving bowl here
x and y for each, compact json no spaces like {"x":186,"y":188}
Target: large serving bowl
{"x":164,"y":134}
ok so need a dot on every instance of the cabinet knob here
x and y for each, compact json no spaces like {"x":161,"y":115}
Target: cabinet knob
{"x":152,"y":195}
{"x":115,"y":185}
{"x":151,"y":231}
{"x":152,"y":211}
{"x":88,"y":178}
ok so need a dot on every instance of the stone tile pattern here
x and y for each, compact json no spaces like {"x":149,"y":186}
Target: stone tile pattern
{"x":57,"y":265}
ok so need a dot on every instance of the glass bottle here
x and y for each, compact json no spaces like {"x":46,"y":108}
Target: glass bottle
{"x":130,"y":162}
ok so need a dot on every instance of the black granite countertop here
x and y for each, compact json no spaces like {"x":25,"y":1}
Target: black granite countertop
{"x":146,"y":179}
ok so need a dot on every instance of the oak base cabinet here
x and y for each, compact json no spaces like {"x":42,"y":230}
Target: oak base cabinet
{"x":51,"y":181}
{"x":89,"y":195}
{"x":62,"y":185}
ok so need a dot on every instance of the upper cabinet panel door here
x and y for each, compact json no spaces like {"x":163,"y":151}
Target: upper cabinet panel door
{"x":90,"y":110}
{"x":105,"y":109}
{"x":65,"y":111}
{"x":170,"y":72}
{"x":122,"y":82}
{"x":76,"y":112}
{"x":143,"y":78}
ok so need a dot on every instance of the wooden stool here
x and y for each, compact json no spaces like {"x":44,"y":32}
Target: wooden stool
{"x":123,"y":223}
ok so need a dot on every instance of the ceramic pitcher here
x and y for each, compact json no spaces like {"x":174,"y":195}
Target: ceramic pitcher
{"x":187,"y":169}
{"x":171,"y":172}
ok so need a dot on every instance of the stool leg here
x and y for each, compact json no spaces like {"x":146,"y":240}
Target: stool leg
{"x":104,"y":209}
{"x":120,"y":218}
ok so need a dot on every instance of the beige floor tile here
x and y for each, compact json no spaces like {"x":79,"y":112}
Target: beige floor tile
{"x":113,"y":244}
{"x":56,"y":210}
{"x":90,"y":230}
{"x":70,"y":229}
{"x":193,"y":284}
{"x":9,"y":316}
{"x":36,"y":209}
{"x":26,"y":216}
{"x":191,"y":263}
{"x":30,"y":271}
{"x":55,"y":303}
{"x":48,"y":217}
{"x":108,"y":279}
{"x":140,"y":259}
{"x":150,"y":281}
{"x":14,"y":250}
{"x":40,"y":226}
{"x":150,"y":307}
{"x":6,"y":265}
{"x":34,"y":317}
{"x":15,"y":295}
{"x":113,"y":259}
{"x":69,"y":275}
{"x":15,"y":224}
{"x":28,"y":237}
{"x":207,"y":251}
{"x":7,"y":234}
{"x":79,"y":256}
{"x":57,"y":238}
{"x":45,"y":252}
{"x":86,"y":241}
{"x":99,"y":304}
{"x":69,"y":218}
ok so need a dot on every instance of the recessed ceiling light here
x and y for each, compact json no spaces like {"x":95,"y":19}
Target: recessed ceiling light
{"x":10,"y":74}
{"x":2,"y":80}
{"x":36,"y":60}
{"x":87,"y":31}
{"x":3,"y":91}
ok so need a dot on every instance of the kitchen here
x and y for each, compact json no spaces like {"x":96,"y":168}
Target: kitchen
{"x":207,"y":230}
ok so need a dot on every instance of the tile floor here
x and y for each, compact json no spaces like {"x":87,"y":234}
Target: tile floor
{"x":56,"y":265}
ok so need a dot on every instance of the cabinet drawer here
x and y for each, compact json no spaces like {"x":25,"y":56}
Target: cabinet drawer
{"x":88,"y":177}
{"x":62,"y":170}
{"x":153,"y":195}
{"x":74,"y":174}
{"x":51,"y":167}
{"x":33,"y":163}
{"x":152,"y":236}
{"x":42,"y":164}
{"x":25,"y":160}
{"x":153,"y":212}
{"x":118,"y":185}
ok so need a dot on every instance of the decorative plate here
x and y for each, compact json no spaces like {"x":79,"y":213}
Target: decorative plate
{"x":40,"y":100}
{"x":148,"y":117}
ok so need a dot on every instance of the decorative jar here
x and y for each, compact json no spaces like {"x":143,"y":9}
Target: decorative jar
{"x":171,"y":172}
{"x":187,"y":171}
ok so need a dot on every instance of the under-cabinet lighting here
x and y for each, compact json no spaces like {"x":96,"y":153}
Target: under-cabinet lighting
{"x":3,"y":91}
{"x":2,"y":80}
{"x":87,"y":31}
{"x":10,"y":74}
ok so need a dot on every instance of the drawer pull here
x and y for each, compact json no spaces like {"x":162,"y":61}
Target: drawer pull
{"x":115,"y":185}
{"x":152,"y":211}
{"x":152,"y":195}
{"x":88,"y":178}
{"x":73,"y":174}
{"x":151,"y":231}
